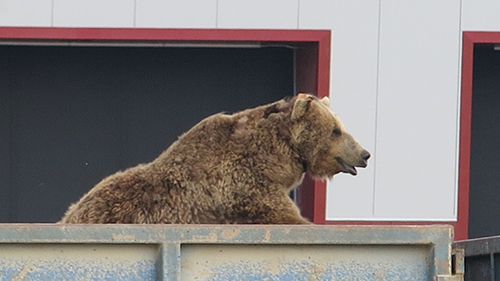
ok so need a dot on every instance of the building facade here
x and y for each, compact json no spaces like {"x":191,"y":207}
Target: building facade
{"x":395,"y":71}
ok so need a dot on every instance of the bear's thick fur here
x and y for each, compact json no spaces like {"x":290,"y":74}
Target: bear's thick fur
{"x":235,"y":168}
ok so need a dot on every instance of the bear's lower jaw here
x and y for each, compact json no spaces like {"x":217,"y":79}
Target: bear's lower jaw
{"x":346,"y":168}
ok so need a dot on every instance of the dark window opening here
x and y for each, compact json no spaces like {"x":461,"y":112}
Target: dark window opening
{"x":70,"y":116}
{"x":484,"y":198}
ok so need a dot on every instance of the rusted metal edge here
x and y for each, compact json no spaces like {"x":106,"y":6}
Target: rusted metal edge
{"x":271,"y":234}
{"x":479,"y":246}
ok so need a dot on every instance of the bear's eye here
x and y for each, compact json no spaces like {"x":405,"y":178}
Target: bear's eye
{"x":336,"y":132}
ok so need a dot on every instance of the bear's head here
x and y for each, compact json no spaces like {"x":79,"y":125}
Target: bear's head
{"x":321,"y":140}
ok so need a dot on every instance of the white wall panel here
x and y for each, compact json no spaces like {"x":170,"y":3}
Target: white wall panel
{"x":267,"y":14}
{"x":417,"y":110}
{"x":25,"y":13}
{"x":94,"y":13}
{"x":176,"y":14}
{"x":480,"y":15}
{"x":353,"y":90}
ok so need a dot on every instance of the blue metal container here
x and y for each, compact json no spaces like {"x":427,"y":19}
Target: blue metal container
{"x":226,"y":252}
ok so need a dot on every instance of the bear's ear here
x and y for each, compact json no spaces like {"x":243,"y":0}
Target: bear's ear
{"x":326,"y":101}
{"x":301,"y":105}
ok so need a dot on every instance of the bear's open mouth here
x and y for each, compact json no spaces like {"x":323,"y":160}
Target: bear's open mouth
{"x":346,"y":167}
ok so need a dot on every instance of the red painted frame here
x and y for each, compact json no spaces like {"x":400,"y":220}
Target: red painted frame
{"x":312,"y":65}
{"x":469,"y":39}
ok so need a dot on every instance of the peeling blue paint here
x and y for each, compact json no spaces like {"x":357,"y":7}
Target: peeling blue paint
{"x":363,"y":262}
{"x":345,"y":271}
{"x":77,"y":270}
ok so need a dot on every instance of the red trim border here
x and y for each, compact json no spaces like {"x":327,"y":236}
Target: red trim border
{"x":462,"y":231}
{"x":152,"y":34}
{"x":312,"y":67}
{"x":469,"y":39}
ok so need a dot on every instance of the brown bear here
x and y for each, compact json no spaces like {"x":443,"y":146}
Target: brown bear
{"x":236,"y":168}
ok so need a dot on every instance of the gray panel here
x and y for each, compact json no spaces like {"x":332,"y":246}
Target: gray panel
{"x":305,"y":262}
{"x":79,"y":261}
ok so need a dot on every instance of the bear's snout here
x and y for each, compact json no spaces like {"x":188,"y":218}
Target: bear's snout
{"x":365,"y":155}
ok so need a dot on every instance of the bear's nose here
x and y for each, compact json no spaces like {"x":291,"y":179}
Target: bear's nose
{"x":365,"y":155}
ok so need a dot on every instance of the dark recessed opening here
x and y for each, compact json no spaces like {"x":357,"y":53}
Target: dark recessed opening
{"x":484,"y":198}
{"x":70,"y":116}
